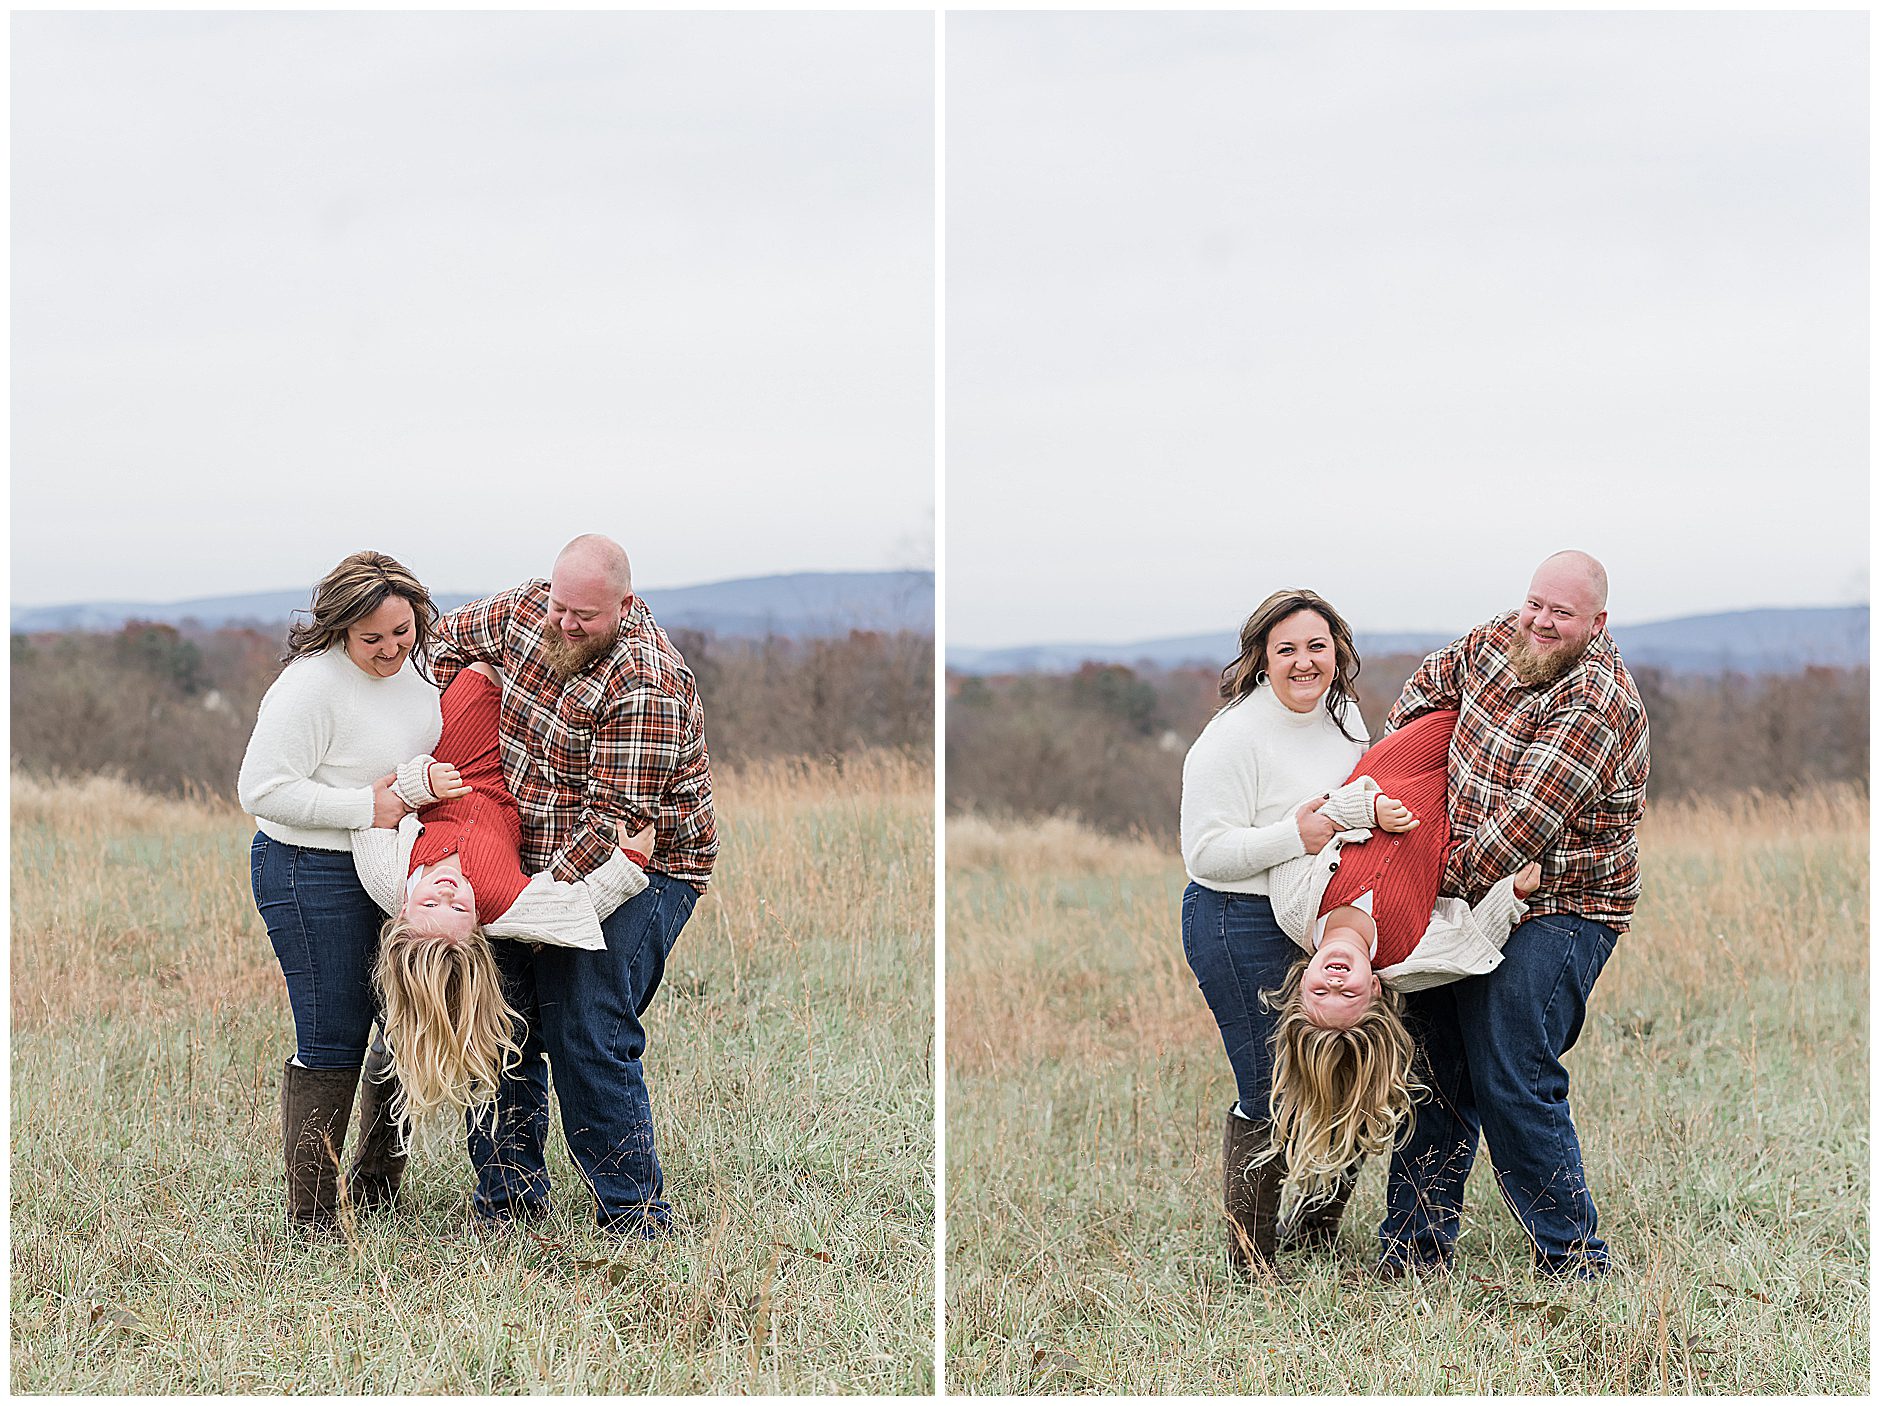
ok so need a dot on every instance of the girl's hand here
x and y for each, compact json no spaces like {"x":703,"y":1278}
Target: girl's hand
{"x":641,"y":843}
{"x":1527,"y":881}
{"x":1395,"y":817}
{"x":447,"y":782}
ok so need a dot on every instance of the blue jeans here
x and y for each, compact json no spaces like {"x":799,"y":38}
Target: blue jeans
{"x":325,"y":932}
{"x":1489,"y":1047}
{"x":1236,"y":949}
{"x":582,"y":1010}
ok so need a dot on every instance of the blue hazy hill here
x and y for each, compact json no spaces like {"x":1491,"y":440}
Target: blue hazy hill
{"x":801,"y":605}
{"x":1742,"y":641}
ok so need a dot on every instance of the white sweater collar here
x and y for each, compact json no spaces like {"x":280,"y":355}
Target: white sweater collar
{"x":1263,"y":696}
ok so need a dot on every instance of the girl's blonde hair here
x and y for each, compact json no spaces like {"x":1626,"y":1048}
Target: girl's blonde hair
{"x":451,"y":1032}
{"x":1338,"y":1095}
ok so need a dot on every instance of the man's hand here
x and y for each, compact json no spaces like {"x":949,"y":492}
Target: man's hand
{"x":1395,"y":817}
{"x":388,"y":808}
{"x":447,"y":782}
{"x":1527,"y":881}
{"x":1314,"y":829}
{"x":641,"y":843}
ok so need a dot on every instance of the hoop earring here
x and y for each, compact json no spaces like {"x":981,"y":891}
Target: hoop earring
{"x":1259,"y":677}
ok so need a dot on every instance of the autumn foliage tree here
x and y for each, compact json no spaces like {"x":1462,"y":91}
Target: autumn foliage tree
{"x":171,"y":710}
{"x":1105,"y":745}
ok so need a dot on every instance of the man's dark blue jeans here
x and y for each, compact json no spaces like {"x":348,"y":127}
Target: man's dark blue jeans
{"x":1489,"y":1047}
{"x":583,"y":1011}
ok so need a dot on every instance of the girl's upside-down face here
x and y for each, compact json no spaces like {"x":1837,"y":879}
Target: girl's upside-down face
{"x":441,"y":904}
{"x":1339,"y":984}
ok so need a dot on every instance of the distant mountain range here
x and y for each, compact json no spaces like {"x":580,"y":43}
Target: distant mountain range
{"x":1743,"y":641}
{"x":813,"y":604}
{"x":803,"y":605}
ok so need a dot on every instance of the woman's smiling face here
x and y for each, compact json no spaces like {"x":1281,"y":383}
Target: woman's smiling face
{"x":381,"y":642}
{"x":1301,"y":659}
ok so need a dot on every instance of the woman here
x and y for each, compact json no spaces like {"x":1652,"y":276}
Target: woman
{"x":1290,"y":727}
{"x":350,"y":707}
{"x":453,"y":881}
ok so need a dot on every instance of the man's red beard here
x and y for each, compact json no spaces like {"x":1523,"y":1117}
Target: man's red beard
{"x":567,"y":658}
{"x":1537,"y":669}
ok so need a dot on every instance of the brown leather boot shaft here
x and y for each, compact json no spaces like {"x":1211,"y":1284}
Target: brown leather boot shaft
{"x":379,"y":1164}
{"x":1251,"y":1195}
{"x":316,"y":1106}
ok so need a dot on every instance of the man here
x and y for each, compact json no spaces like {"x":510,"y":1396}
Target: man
{"x":602,"y":734}
{"x":1548,"y":763}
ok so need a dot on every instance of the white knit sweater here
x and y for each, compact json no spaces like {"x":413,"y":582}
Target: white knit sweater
{"x":1254,"y":764}
{"x":549,"y":910}
{"x":326,"y":730}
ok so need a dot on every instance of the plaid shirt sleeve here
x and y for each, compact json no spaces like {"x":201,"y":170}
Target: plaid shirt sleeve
{"x":1567,"y":767}
{"x":634,"y":754}
{"x":1437,"y":683}
{"x":471,"y":634}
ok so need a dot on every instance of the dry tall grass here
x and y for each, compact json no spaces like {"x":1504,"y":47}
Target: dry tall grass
{"x":1719,"y":1087}
{"x":791,"y":1074}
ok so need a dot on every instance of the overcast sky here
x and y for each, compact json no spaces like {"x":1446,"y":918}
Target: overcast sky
{"x":1393,"y":305}
{"x":458,"y":286}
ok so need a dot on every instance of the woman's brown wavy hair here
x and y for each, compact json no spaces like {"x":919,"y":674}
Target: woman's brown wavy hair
{"x":1248,"y":672}
{"x":353,"y":590}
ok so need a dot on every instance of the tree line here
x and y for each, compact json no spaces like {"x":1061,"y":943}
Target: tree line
{"x":1105,"y":744}
{"x":171,"y":709}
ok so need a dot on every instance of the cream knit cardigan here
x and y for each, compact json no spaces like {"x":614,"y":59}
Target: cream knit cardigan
{"x":1460,"y":941}
{"x":549,"y":910}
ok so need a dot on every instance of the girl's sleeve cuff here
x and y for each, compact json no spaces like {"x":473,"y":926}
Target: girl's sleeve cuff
{"x":413,"y":783}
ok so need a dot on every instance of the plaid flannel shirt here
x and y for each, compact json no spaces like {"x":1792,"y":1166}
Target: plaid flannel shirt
{"x":1555,"y":774}
{"x":623,"y":740}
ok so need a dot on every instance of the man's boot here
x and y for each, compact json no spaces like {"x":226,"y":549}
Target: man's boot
{"x":1316,"y":1228}
{"x":1252,"y":1196}
{"x":316,"y":1105}
{"x":379,"y":1165}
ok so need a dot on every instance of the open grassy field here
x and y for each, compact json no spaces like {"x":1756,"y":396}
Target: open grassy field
{"x":791,"y":1067}
{"x":1720,"y":1089}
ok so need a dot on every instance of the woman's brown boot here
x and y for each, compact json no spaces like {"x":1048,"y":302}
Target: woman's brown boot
{"x":1252,"y":1196}
{"x":316,"y":1105}
{"x":379,"y":1165}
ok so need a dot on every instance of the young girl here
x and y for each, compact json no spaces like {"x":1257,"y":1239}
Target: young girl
{"x":1366,"y":909}
{"x":452,"y":882}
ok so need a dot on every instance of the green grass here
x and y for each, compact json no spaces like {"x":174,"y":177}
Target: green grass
{"x":791,"y":1076}
{"x":1720,"y":1090}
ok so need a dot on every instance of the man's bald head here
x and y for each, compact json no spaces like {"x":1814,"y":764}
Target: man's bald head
{"x":1590,"y":572}
{"x":600,"y":558}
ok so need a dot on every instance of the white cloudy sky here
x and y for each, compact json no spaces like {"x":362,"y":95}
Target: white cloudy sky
{"x":1392,"y":305}
{"x":458,"y":286}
